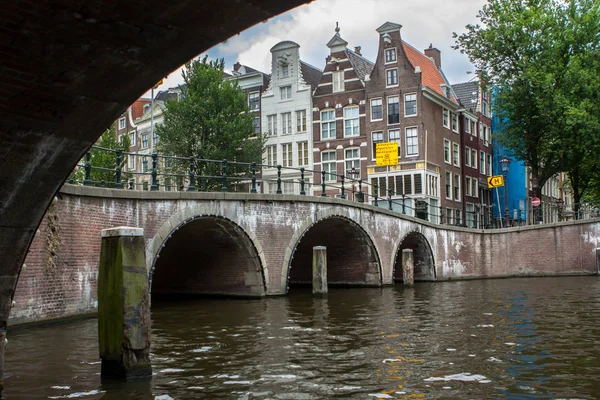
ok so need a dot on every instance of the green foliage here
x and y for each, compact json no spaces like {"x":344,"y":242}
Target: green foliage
{"x":210,"y":122}
{"x":104,"y":162}
{"x":543,"y":57}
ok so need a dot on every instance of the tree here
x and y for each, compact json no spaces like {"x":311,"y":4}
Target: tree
{"x":104,"y":161}
{"x":542,"y":58}
{"x":210,"y":122}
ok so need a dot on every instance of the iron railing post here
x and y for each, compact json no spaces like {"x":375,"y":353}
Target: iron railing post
{"x":376,"y":190}
{"x":279,"y":191}
{"x":154,"y":174}
{"x":118,"y":183}
{"x":323,"y":194}
{"x":389,"y":196}
{"x":224,"y":183}
{"x":403,"y":203}
{"x":302,"y":191}
{"x":192,"y":175}
{"x":343,"y":188}
{"x":88,"y":169}
{"x":253,"y":186}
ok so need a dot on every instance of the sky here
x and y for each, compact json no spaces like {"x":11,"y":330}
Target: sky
{"x":313,"y":25}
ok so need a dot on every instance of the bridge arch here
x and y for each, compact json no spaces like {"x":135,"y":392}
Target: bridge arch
{"x":206,"y":253}
{"x":424,"y":261}
{"x":353,"y":258}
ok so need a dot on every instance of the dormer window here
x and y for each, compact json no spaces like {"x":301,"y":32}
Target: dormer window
{"x":390,"y":55}
{"x":338,"y":81}
{"x":146,"y":108}
{"x":285,"y":70}
{"x":447,"y":89}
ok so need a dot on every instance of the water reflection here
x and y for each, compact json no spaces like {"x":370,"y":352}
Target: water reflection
{"x":513,"y":338}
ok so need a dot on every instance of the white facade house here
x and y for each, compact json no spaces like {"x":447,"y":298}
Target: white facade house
{"x":286,"y":119}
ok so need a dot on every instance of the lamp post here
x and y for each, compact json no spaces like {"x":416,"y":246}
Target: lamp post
{"x":504,"y":165}
{"x":559,"y":204}
{"x":352,"y":173}
{"x":534,"y":185}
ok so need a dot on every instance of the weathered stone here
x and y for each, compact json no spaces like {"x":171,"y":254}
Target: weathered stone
{"x":319,"y":270}
{"x":408,"y":268}
{"x":123,"y":305}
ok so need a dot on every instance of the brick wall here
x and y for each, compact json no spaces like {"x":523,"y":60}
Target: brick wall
{"x":254,"y":239}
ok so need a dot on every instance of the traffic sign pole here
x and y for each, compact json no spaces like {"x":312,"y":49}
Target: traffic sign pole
{"x":499,"y":210}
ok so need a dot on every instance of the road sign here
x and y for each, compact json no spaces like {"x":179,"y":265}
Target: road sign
{"x":386,"y":153}
{"x":535,"y":201}
{"x":495,"y":181}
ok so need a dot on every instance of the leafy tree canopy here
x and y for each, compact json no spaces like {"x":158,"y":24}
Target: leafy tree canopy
{"x":211,"y":121}
{"x":542,"y":58}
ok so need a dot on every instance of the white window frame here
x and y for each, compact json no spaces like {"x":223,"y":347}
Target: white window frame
{"x":448,"y":188}
{"x":331,"y":166}
{"x":285,"y":70}
{"x":410,"y":97}
{"x":285,"y":92}
{"x":475,"y":187}
{"x":391,"y":51}
{"x":454,"y":122}
{"x":455,"y":154}
{"x":467,"y":156}
{"x":130,"y":162}
{"x":329,"y":123}
{"x":271,"y":158}
{"x":122,"y":123}
{"x":338,"y":81}
{"x":286,"y":123}
{"x":446,"y":118}
{"x":352,"y":121}
{"x":302,"y":153}
{"x":144,"y":141}
{"x":380,"y":100}
{"x":468,"y":126}
{"x":408,"y":140}
{"x":132,"y":138}
{"x":287,"y":155}
{"x":352,"y":161}
{"x":394,"y":135}
{"x":391,"y":77}
{"x":374,"y":143}
{"x":488,"y":164}
{"x":474,"y":158}
{"x":447,"y":152}
{"x":301,"y":121}
{"x":468,"y":186}
{"x":272,"y":124}
{"x":481,"y":162}
{"x":252,"y":101}
{"x":457,"y":194}
{"x":388,"y":109}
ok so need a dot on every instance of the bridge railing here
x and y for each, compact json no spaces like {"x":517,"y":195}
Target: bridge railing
{"x":135,"y":171}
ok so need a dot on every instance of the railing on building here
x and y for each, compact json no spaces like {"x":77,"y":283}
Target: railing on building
{"x":188,"y":174}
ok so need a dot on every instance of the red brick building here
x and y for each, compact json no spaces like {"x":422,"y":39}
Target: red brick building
{"x":340,"y":140}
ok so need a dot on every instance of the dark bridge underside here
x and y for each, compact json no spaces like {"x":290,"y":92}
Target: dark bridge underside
{"x":422,"y":255}
{"x":208,"y":256}
{"x":68,"y":68}
{"x":351,"y":256}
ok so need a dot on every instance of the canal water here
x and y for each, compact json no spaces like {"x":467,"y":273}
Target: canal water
{"x":536,"y":338}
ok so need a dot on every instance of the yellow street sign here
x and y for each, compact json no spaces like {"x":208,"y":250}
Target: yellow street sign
{"x":386,"y":153}
{"x":495,"y":181}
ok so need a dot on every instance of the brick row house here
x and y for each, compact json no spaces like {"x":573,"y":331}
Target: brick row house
{"x":339,"y":119}
{"x":286,"y":119}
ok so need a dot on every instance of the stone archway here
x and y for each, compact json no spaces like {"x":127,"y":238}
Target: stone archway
{"x":424,"y":263}
{"x":352,"y":257}
{"x":208,"y":255}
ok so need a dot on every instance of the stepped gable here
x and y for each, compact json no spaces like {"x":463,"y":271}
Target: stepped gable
{"x":431,"y":76}
{"x":468,"y":94}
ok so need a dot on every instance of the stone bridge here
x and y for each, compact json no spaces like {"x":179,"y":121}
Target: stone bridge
{"x":256,"y":245}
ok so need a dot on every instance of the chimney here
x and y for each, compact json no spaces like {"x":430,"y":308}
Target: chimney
{"x":236,"y":66}
{"x":357,"y":50}
{"x":434,"y":53}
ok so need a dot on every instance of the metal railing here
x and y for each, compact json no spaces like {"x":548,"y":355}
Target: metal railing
{"x":190,"y":174}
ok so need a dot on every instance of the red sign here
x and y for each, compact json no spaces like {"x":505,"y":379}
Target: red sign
{"x":535,"y":201}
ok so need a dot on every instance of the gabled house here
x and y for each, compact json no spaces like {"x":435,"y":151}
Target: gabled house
{"x":340,"y":140}
{"x":286,"y":120}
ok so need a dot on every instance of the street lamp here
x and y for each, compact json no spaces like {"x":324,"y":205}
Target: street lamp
{"x":534,"y":185}
{"x":504,"y":165}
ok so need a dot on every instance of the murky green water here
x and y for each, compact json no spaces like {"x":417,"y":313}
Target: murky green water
{"x":512,"y":338}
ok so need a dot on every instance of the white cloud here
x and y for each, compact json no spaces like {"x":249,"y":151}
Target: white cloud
{"x":312,"y":25}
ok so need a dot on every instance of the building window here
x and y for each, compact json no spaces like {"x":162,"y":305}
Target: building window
{"x":447,"y":151}
{"x":286,"y":92}
{"x":256,"y":125}
{"x":122,"y":123}
{"x":393,"y":110}
{"x":285,"y":70}
{"x":410,"y":105}
{"x":448,"y":185}
{"x":302,"y":153}
{"x":254,"y":101}
{"x":446,"y":118}
{"x":484,"y":109}
{"x":144,"y":164}
{"x":328,"y":164}
{"x":482,"y":162}
{"x":271,"y":156}
{"x":132,"y":136}
{"x":489,"y":165}
{"x":458,"y":217}
{"x":394,"y":136}
{"x":390,"y":55}
{"x":467,"y":126}
{"x":475,"y":187}
{"x":286,"y":152}
{"x":328,"y":124}
{"x":338,"y":81}
{"x":352,"y":158}
{"x":391,"y":77}
{"x":130,"y":162}
{"x":467,"y":156}
{"x":155,"y":138}
{"x":449,"y":216}
{"x":468,"y":186}
{"x":301,"y":121}
{"x":474,"y":158}
{"x":272,"y":124}
{"x":351,"y":126}
{"x":377,"y":137}
{"x":473,"y":128}
{"x":454,"y":122}
{"x":144,"y":140}
{"x":286,"y":123}
{"x":412,"y":142}
{"x":456,"y":187}
{"x":455,"y":154}
{"x":376,"y":109}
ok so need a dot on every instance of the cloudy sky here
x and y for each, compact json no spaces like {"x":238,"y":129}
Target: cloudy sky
{"x":312,"y":25}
